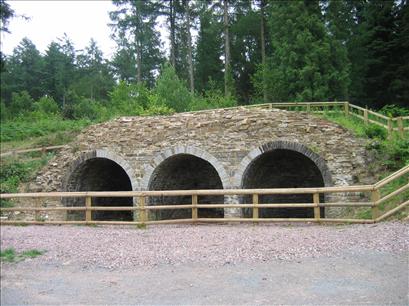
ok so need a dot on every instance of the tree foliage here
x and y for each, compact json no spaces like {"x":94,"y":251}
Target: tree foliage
{"x":242,"y":52}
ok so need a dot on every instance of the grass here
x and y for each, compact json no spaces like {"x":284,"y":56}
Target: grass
{"x":15,"y":172}
{"x":25,"y":129}
{"x":392,"y":154}
{"x":10,"y":255}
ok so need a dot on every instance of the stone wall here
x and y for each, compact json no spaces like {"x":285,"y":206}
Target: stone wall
{"x":228,"y":140}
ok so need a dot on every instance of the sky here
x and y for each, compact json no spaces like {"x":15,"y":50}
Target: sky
{"x":49,"y":20}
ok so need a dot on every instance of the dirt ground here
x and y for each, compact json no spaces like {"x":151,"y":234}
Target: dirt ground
{"x":362,"y":273}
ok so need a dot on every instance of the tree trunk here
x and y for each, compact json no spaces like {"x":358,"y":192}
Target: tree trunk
{"x":138,"y":62}
{"x":172,"y":33}
{"x":226,"y":48}
{"x":263,"y":50}
{"x":189,"y":46}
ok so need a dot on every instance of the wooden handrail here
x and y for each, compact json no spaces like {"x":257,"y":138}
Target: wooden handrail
{"x":153,"y":193}
{"x":42,"y":149}
{"x":392,"y":177}
{"x":255,"y":205}
{"x":392,"y":211}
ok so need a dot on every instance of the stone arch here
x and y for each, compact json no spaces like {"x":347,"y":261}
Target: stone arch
{"x":101,"y":153}
{"x":191,"y":150}
{"x":185,"y":168}
{"x":283,"y":164}
{"x":101,"y":170}
{"x":284,"y":145}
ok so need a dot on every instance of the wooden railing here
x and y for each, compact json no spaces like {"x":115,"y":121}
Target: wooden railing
{"x":31,"y":150}
{"x":398,"y":124}
{"x":373,"y":191}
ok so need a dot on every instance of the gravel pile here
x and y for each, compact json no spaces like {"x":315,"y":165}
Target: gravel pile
{"x":124,"y":247}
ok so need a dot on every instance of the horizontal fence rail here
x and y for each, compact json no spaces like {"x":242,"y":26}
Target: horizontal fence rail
{"x":391,"y":124}
{"x":41,"y":149}
{"x":141,"y":209}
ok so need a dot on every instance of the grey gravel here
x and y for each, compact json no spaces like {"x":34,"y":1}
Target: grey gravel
{"x":114,"y":247}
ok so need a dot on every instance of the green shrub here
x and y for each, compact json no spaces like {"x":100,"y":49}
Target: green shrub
{"x":86,"y":109}
{"x":129,"y":99}
{"x":46,"y":105}
{"x":4,"y":112}
{"x":212,"y":98}
{"x":21,"y":103}
{"x":13,"y":173}
{"x":397,"y":152}
{"x":375,"y":131}
{"x":393,"y":110}
{"x":171,"y":91}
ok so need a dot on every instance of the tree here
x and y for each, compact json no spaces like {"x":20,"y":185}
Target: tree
{"x":208,"y":63}
{"x":380,"y":28}
{"x":245,"y":48}
{"x":24,"y":72}
{"x":400,"y":49}
{"x":93,"y":77}
{"x":6,"y":13}
{"x":263,"y":46}
{"x":60,"y":69}
{"x":189,"y":45}
{"x":134,"y":27}
{"x":171,"y":91}
{"x":227,"y":69}
{"x":301,"y":66}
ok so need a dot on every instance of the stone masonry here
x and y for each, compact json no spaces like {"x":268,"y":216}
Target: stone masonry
{"x":229,"y":140}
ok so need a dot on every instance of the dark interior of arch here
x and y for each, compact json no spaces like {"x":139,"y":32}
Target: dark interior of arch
{"x":282,"y":168}
{"x":102,"y":174}
{"x":185,"y":172}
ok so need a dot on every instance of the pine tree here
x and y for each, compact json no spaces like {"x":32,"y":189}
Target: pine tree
{"x":24,"y":71}
{"x":208,"y":63}
{"x":93,"y":80}
{"x":59,"y":69}
{"x":134,"y":27}
{"x":301,"y":67}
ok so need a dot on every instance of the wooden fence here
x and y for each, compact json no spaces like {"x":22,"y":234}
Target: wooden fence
{"x":398,"y":124}
{"x":42,"y":149}
{"x":142,"y":209}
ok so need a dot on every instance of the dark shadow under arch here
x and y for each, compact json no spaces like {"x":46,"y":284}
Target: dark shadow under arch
{"x":100,"y":174}
{"x":282,"y":168}
{"x":185,"y":172}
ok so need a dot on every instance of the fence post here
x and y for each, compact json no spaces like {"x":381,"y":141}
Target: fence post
{"x":390,"y":127}
{"x":255,"y":206}
{"x":142,"y":211}
{"x":88,"y":212}
{"x":37,"y":205}
{"x":346,"y":108}
{"x":317,"y":212}
{"x":366,"y":115}
{"x":375,"y":196}
{"x":308,"y":107}
{"x":194,"y":208}
{"x":400,"y":126}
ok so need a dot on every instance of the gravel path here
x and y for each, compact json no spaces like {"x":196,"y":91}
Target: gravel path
{"x":211,"y":245}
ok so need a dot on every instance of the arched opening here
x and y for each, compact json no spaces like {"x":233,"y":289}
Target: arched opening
{"x":282,"y":168}
{"x":185,"y":172}
{"x":101,"y":174}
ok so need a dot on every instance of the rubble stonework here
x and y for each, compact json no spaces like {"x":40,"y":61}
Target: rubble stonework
{"x":227,"y":139}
